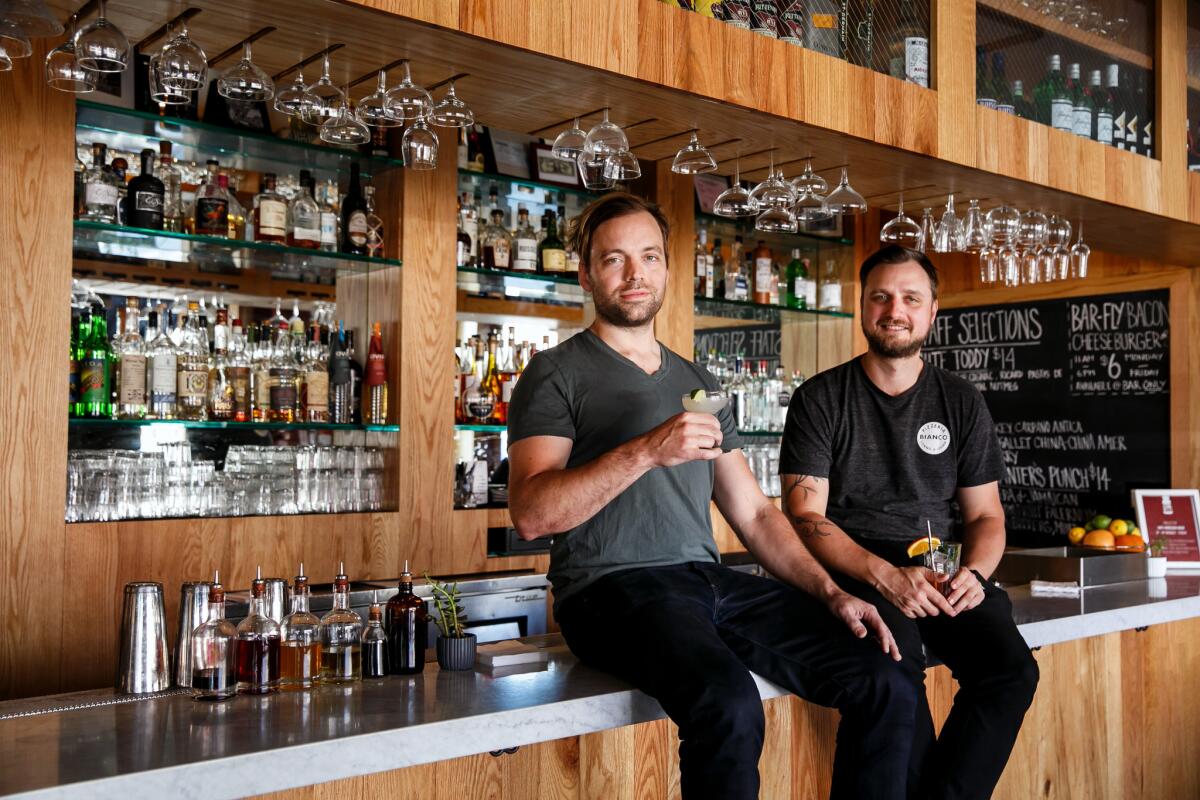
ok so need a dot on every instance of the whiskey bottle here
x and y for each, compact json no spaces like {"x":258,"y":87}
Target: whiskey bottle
{"x":161,"y":366}
{"x":220,"y":383}
{"x":702,"y":280}
{"x":145,"y":196}
{"x":376,"y":379}
{"x":497,"y":243}
{"x":282,"y":378}
{"x":260,"y":373}
{"x":270,"y":213}
{"x":552,"y":254}
{"x":191,"y":386}
{"x":341,"y":636}
{"x":762,"y":273}
{"x":214,"y":650}
{"x":300,"y":641}
{"x":354,"y":216}
{"x":235,"y":217}
{"x":374,"y":644}
{"x":120,"y":169}
{"x":130,"y":353}
{"x":172,"y":182}
{"x":304,"y":216}
{"x":238,"y":372}
{"x":100,"y":189}
{"x":328,"y":203}
{"x":315,"y":395}
{"x":525,"y":244}
{"x":407,"y":625}
{"x":212,"y":205}
{"x":258,"y":645}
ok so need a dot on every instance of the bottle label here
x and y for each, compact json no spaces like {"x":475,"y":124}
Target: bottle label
{"x":272,"y":220}
{"x":526,"y":254}
{"x":831,"y":296}
{"x":100,"y":194}
{"x":791,"y":21}
{"x":554,"y":260}
{"x":1147,"y":137}
{"x":1131,"y":135}
{"x":239,"y":379}
{"x":738,"y":12}
{"x":192,"y":384}
{"x":471,"y":228}
{"x":161,"y":374}
{"x":356,"y":228}
{"x":1104,"y":127}
{"x":1062,"y":114}
{"x":339,"y":369}
{"x":376,"y":373}
{"x":316,"y":390}
{"x":262,"y":389}
{"x":329,"y":227}
{"x":1082,"y":121}
{"x":501,"y":253}
{"x":986,"y":102}
{"x":1006,"y":108}
{"x":763,"y":18}
{"x":701,"y":265}
{"x":762,"y":275}
{"x":149,"y":202}
{"x":800,"y":290}
{"x":506,"y":388}
{"x":133,"y":380}
{"x":283,"y":396}
{"x":212,"y":216}
{"x":93,"y":380}
{"x":916,"y":61}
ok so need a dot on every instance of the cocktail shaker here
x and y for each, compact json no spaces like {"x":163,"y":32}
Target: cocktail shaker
{"x":275,"y":599}
{"x":144,"y":661}
{"x":193,"y":610}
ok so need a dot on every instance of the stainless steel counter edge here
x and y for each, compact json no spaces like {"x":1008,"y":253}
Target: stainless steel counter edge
{"x":459,"y":714}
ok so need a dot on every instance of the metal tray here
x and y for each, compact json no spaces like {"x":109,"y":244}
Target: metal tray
{"x":1085,"y":566}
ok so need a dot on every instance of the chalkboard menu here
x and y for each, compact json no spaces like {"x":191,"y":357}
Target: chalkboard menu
{"x":1079,"y":390}
{"x":753,"y":342}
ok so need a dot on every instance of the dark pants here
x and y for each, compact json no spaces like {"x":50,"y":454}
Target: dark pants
{"x":688,"y":636}
{"x":997,"y":677}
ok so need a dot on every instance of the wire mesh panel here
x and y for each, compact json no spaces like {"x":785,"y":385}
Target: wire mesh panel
{"x":1085,"y":67}
{"x":889,"y":36}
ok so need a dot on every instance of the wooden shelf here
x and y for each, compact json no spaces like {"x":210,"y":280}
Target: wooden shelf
{"x":1014,"y":9}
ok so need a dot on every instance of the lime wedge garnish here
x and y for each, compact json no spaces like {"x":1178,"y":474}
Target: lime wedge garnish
{"x":699,"y":394}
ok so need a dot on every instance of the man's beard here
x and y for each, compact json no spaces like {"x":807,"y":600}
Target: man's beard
{"x":880,"y":346}
{"x":615,"y":313}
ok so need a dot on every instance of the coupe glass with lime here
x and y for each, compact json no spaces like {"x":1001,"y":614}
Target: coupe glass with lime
{"x":703,"y":401}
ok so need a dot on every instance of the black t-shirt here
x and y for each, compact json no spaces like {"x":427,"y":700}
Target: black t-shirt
{"x":585,"y":391}
{"x":892,"y":462}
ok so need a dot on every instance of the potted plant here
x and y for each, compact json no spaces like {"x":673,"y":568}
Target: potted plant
{"x":455,"y":647}
{"x":1156,"y":562}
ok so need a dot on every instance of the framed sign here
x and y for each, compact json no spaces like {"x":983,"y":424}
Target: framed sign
{"x":1172,"y":516}
{"x":552,"y":169}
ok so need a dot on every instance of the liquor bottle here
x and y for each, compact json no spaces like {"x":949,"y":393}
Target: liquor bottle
{"x":341,"y":636}
{"x":374,"y":224}
{"x":77,"y":316}
{"x":214,"y":650}
{"x":100,"y":189}
{"x":1021,"y":106}
{"x":235,"y":216}
{"x":300,"y":641}
{"x":791,"y":20}
{"x":764,"y":18}
{"x":80,"y":171}
{"x":798,"y":281}
{"x":718,"y":270}
{"x":374,"y":643}
{"x":220,"y":387}
{"x":1050,"y":96}
{"x":172,"y":182}
{"x":1000,"y":90}
{"x":831,"y":287}
{"x":239,"y":375}
{"x":130,"y":353}
{"x":506,"y":361}
{"x":328,"y":203}
{"x":270,"y":213}
{"x":212,"y":205}
{"x":282,"y":378}
{"x":1193,"y":149}
{"x":120,"y":170}
{"x":354,"y":216}
{"x":1147,"y":148}
{"x":907,"y":50}
{"x":497,"y":243}
{"x":161,"y":367}
{"x":491,"y":385}
{"x":1117,"y":137}
{"x":1083,"y":120}
{"x":525,"y":245}
{"x":314,"y":399}
{"x":407,"y":625}
{"x":762,"y":273}
{"x":191,"y":385}
{"x":340,"y":379}
{"x":260,"y":372}
{"x":95,"y":369}
{"x":145,"y":196}
{"x":375,"y":379}
{"x":462,"y":250}
{"x":1102,"y":124}
{"x":258,"y":645}
{"x":984,"y":89}
{"x":701,"y":281}
{"x":468,"y":214}
{"x":552,"y":254}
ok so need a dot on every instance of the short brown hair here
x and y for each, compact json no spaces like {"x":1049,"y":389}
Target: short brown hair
{"x":601,"y":210}
{"x":896,"y":254}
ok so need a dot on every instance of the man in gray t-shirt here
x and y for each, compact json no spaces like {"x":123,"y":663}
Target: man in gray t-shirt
{"x":604,"y":459}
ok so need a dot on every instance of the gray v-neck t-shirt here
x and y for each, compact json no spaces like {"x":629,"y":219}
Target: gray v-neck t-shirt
{"x":585,"y":391}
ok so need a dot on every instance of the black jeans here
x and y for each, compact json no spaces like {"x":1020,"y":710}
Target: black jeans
{"x":997,"y":677}
{"x":688,"y":636}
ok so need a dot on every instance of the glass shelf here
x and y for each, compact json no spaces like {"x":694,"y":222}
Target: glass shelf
{"x":132,"y":131}
{"x":562,"y":290}
{"x":481,"y":428}
{"x":743,"y":309}
{"x":106,"y":241}
{"x":218,"y":425}
{"x":744,"y":226}
{"x":761,"y":434}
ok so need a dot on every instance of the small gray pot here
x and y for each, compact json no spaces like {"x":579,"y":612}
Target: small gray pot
{"x":456,"y":652}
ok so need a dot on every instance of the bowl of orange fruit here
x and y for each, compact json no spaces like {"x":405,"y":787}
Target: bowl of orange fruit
{"x":1103,"y":532}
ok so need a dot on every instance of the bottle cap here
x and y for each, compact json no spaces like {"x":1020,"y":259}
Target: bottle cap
{"x":259,"y":587}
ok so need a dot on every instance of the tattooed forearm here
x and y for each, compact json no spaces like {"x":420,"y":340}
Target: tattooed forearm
{"x":808,"y":528}
{"x":799,"y":483}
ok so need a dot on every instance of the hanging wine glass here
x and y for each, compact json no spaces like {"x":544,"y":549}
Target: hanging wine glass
{"x":294,"y":99}
{"x":407,"y":100}
{"x":452,"y":112}
{"x":947,"y":234}
{"x":776,"y":219}
{"x":569,"y":144}
{"x":5,"y":61}
{"x":1058,"y":236}
{"x":810,"y":207}
{"x":1005,"y":224}
{"x":605,"y":138}
{"x":419,"y":146}
{"x":1032,"y":231}
{"x":928,"y":230}
{"x":1080,"y":253}
{"x":591,"y":172}
{"x":160,"y":93}
{"x":1009,"y":265}
{"x":326,"y":99}
{"x":344,"y":128}
{"x":975,"y":235}
{"x":373,"y":109}
{"x":14,"y":41}
{"x":693,"y":158}
{"x":809,"y":181}
{"x":245,"y":80}
{"x":182,"y":64}
{"x":622,"y":166}
{"x":901,"y":229}
{"x":988,"y":264}
{"x":63,"y":71}
{"x":100,"y":46}
{"x":844,"y":200}
{"x":735,"y":201}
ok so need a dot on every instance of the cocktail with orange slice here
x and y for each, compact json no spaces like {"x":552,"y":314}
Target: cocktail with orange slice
{"x":942,"y":558}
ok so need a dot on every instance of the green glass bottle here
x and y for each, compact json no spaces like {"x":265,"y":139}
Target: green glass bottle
{"x":1052,"y":85}
{"x":800,"y":286}
{"x":95,"y":370}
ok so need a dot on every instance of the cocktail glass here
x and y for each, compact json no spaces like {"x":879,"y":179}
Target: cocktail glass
{"x":943,"y":560}
{"x":705,"y":402}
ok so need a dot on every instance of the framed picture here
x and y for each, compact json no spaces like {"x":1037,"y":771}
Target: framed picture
{"x":1173,"y":517}
{"x":510,"y":153}
{"x":549,"y":168}
{"x":115,"y":88}
{"x":708,"y":188}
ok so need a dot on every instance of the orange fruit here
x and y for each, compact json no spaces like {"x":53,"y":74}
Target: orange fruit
{"x":1103,"y":540}
{"x":1130,"y":543}
{"x":920,"y":546}
{"x":1076,"y":534}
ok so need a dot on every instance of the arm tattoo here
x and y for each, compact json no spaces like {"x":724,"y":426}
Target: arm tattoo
{"x":798,"y":483}
{"x":808,"y":528}
{"x":805,"y":527}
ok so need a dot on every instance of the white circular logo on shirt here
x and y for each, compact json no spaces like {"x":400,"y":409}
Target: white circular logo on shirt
{"x":933,"y":438}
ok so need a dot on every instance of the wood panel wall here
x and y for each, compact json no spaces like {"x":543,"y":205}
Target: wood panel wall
{"x":1114,"y":718}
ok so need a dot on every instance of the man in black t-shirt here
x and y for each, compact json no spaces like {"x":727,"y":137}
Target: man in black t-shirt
{"x":873,"y":452}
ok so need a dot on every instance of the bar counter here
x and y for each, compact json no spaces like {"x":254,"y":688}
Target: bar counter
{"x":172,"y":746}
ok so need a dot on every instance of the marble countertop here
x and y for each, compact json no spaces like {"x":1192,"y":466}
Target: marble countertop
{"x":172,"y":746}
